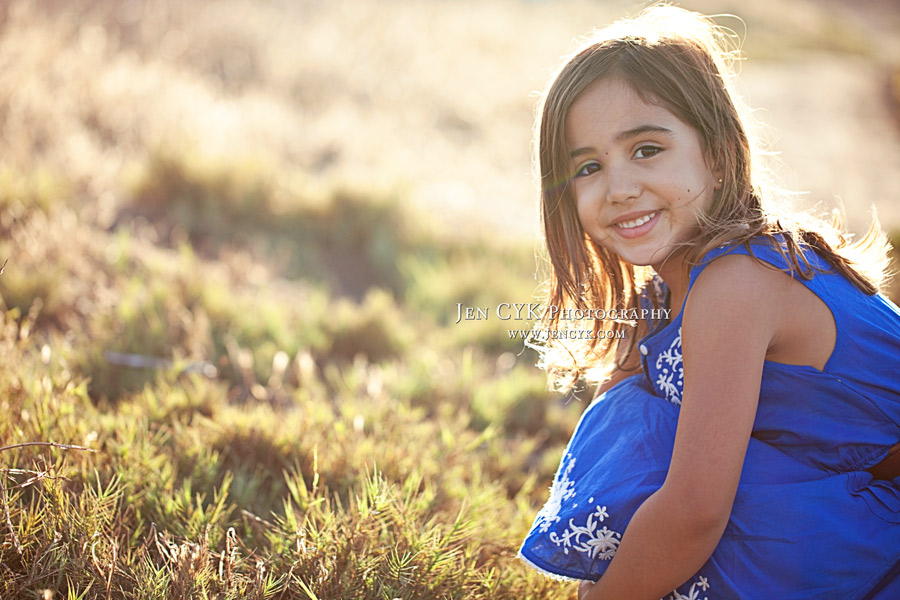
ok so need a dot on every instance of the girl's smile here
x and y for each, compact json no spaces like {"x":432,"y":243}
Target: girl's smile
{"x":631,"y":227}
{"x":641,"y":175}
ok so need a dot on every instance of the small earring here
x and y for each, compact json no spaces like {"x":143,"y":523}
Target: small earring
{"x":720,"y":181}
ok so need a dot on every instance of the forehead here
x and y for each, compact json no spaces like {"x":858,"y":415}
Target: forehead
{"x":609,"y":107}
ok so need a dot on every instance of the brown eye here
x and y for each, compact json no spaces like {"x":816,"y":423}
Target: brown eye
{"x":588,"y":169}
{"x":647,"y":151}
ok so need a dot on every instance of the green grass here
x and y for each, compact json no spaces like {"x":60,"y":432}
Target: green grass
{"x":339,"y":443}
{"x":283,"y":434}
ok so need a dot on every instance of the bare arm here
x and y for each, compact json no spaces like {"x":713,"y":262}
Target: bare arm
{"x":727,"y":328}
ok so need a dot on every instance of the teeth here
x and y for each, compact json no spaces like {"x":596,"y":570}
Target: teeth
{"x":637,"y":222}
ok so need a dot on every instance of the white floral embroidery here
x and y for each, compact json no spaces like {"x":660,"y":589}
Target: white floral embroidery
{"x":702,"y":584}
{"x":591,"y":539}
{"x":596,"y":543}
{"x":562,"y":489}
{"x":670,"y":374}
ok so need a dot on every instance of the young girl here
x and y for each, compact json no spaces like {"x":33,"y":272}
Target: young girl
{"x":742,"y":448}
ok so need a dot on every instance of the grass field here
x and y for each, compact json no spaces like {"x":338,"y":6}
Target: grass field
{"x":238,"y":235}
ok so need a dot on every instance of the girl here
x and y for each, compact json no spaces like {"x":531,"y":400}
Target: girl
{"x":743,"y":448}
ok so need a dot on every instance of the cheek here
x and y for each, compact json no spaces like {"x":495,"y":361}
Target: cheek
{"x":587,"y":203}
{"x":582,"y":206}
{"x":588,"y":217}
{"x":582,"y":212}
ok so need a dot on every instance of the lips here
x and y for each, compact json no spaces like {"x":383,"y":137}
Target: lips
{"x":635,"y":225}
{"x":636,"y":222}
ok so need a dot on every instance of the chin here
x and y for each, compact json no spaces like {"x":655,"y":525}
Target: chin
{"x":643,"y":259}
{"x":637,"y":262}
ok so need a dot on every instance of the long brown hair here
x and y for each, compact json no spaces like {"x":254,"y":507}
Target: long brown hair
{"x":682,"y":61}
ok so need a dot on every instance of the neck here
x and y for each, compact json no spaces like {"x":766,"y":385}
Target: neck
{"x":676,"y":275}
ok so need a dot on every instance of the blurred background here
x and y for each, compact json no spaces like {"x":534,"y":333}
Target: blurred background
{"x":237,"y":234}
{"x":431,"y":98}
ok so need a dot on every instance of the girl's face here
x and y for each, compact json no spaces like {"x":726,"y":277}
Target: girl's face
{"x":641,"y":177}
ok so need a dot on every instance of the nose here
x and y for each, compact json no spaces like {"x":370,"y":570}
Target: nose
{"x":622,"y":185}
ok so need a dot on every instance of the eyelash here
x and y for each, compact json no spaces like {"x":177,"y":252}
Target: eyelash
{"x":654,"y":150}
{"x":581,"y":170}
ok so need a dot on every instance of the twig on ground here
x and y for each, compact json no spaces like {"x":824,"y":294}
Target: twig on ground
{"x":52,"y":444}
{"x":9,"y":525}
{"x":38,"y":476}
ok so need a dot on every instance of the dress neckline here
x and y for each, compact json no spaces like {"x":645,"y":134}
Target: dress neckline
{"x":660,"y":326}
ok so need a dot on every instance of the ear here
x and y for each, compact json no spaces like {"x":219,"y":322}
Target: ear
{"x":715,"y":167}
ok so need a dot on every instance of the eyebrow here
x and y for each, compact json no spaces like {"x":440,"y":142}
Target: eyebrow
{"x":630,"y":133}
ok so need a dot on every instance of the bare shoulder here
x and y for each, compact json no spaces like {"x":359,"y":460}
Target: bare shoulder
{"x":739,"y":275}
{"x":740,"y":288}
{"x":763,"y":304}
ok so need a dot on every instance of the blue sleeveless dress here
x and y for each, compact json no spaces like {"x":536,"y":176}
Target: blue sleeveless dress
{"x":808,"y":520}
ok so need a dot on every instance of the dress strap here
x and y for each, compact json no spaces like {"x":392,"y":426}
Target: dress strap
{"x":816,"y":274}
{"x":770,"y":250}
